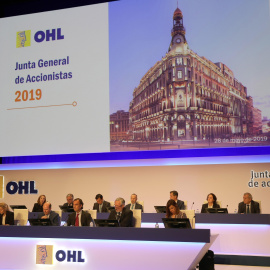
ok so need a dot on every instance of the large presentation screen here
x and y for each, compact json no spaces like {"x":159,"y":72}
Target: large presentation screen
{"x":135,"y":75}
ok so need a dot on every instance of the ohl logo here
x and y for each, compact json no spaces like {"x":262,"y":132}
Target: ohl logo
{"x":44,"y":255}
{"x":1,"y":186}
{"x":24,"y":37}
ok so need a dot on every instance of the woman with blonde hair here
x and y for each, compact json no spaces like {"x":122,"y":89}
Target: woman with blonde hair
{"x":6,"y":216}
{"x":38,"y":206}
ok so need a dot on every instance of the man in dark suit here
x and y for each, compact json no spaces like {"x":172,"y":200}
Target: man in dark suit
{"x":174,"y":196}
{"x":134,"y":204}
{"x":248,"y":206}
{"x":49,"y":214}
{"x":69,"y":203}
{"x":123,"y":215}
{"x":79,"y":217}
{"x":101,"y":206}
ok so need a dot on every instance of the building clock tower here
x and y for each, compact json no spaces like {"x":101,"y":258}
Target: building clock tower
{"x":178,"y":31}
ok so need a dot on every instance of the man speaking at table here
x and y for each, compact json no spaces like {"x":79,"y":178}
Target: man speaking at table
{"x":123,"y":215}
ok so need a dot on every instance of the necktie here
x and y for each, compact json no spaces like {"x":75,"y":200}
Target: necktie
{"x":132,"y":206}
{"x":77,"y":220}
{"x":100,"y":207}
{"x":248,"y":209}
{"x":118,"y":216}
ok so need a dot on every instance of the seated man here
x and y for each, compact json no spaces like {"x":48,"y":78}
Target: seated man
{"x":248,"y":206}
{"x":49,"y":214}
{"x":134,"y":204}
{"x":123,"y":215}
{"x":69,"y":203}
{"x":79,"y":217}
{"x":174,"y":196}
{"x":101,"y":205}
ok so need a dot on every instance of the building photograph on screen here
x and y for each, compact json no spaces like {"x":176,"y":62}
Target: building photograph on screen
{"x":189,"y":74}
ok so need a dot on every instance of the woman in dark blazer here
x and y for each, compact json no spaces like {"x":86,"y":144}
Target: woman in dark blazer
{"x":38,"y":206}
{"x":211,"y":202}
{"x":6,"y":217}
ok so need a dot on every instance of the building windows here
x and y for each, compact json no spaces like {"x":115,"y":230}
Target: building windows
{"x":179,"y":60}
{"x":179,"y":74}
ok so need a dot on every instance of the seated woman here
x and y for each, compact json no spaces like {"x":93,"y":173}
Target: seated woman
{"x":38,"y":206}
{"x":6,"y":217}
{"x":212,"y":202}
{"x":173,"y":211}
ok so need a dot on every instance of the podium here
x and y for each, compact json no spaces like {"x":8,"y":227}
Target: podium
{"x":103,"y":248}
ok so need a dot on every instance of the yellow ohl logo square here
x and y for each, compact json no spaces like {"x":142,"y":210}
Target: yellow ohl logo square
{"x":1,"y":186}
{"x":44,"y":254}
{"x":23,"y":39}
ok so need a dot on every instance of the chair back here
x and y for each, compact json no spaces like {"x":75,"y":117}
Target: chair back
{"x":21,"y":216}
{"x":191,"y":216}
{"x":137,"y":218}
{"x":259,"y":202}
{"x":93,"y":213}
{"x":218,"y":202}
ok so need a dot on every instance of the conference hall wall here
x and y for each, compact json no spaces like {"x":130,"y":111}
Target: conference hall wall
{"x":152,"y":184}
{"x":106,"y":81}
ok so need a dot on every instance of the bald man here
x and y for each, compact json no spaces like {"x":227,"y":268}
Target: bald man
{"x":49,"y":214}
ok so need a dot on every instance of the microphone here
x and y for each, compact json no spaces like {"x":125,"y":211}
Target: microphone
{"x":192,"y":206}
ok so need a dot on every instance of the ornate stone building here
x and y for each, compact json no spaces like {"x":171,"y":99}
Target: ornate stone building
{"x":186,"y":96}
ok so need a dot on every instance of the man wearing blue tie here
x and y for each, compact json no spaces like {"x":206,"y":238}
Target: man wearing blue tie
{"x":134,"y":205}
{"x":101,"y":205}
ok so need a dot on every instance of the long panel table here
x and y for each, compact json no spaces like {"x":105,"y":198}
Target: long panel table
{"x":26,"y":247}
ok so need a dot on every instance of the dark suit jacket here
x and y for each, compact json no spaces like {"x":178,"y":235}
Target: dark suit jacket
{"x":85,"y":219}
{"x":9,"y":218}
{"x":181,"y":205}
{"x":67,"y":206}
{"x":125,"y":219}
{"x":104,"y":207}
{"x":254,"y":207}
{"x":54,"y":218}
{"x":37,"y":208}
{"x":204,"y":206}
{"x":137,"y":206}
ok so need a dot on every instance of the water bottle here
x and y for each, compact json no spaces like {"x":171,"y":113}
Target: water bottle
{"x":157,"y":225}
{"x":91,"y":224}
